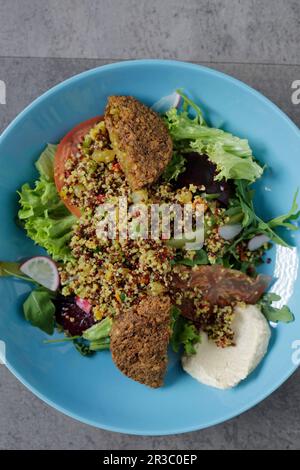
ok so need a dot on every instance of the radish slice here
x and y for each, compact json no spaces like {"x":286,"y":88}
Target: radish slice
{"x":230,"y":231}
{"x":42,"y":270}
{"x":83,"y":304}
{"x":258,"y":241}
{"x":167,"y":102}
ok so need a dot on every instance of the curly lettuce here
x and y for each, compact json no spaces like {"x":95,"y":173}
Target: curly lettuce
{"x":232,"y":155}
{"x":46,"y":219}
{"x":174,"y":168}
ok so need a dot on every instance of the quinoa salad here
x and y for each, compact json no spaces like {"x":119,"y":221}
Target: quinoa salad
{"x":142,"y":295}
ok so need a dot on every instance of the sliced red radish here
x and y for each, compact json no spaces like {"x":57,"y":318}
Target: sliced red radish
{"x":257,"y":242}
{"x":167,"y":102}
{"x":42,"y":270}
{"x":228,"y":232}
{"x":83,"y":304}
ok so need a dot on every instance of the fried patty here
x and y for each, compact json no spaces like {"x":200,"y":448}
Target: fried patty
{"x":140,"y":138}
{"x":139,"y":340}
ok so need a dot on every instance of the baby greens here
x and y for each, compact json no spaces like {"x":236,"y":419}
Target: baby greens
{"x":39,"y":309}
{"x":184,"y":333}
{"x":274,"y":314}
{"x":200,"y":257}
{"x":95,"y":338}
{"x":98,"y":331}
{"x":11,"y":269}
{"x":174,"y":168}
{"x":243,"y":208}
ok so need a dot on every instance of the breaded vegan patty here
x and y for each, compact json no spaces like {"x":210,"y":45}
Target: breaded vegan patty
{"x":139,"y":340}
{"x":140,"y":138}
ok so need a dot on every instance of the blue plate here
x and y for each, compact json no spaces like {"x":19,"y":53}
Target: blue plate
{"x":92,"y":389}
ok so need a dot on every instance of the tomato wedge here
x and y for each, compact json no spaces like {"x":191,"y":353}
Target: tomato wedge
{"x":66,"y":147}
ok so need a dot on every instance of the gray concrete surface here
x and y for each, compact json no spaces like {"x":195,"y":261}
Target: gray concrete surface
{"x":42,"y":43}
{"x":227,"y":30}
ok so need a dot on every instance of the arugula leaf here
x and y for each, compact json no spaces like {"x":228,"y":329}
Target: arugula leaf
{"x":95,"y":338}
{"x":274,"y":314}
{"x":86,"y":349}
{"x":174,"y":168}
{"x":245,"y":202}
{"x":61,"y":340}
{"x":99,"y":330}
{"x":285,"y":219}
{"x":199,"y":258}
{"x":39,"y":309}
{"x":234,"y":212}
{"x":210,"y":196}
{"x":8,"y":268}
{"x":184,"y":333}
{"x":282,"y":314}
{"x":100,"y":345}
{"x":82,"y":347}
{"x":255,"y":224}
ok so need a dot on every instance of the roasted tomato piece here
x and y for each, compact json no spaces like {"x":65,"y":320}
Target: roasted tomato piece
{"x":67,"y":146}
{"x":222,"y":286}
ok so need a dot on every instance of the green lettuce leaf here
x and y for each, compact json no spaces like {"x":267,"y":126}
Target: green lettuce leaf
{"x":184,"y":333}
{"x":44,"y":165}
{"x":232,"y":155}
{"x":46,"y":219}
{"x":174,"y":168}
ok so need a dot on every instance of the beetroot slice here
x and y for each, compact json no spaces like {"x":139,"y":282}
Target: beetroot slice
{"x":199,"y":170}
{"x":72,"y":318}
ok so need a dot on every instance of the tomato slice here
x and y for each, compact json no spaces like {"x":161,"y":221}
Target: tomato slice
{"x":66,"y":147}
{"x":222,"y":286}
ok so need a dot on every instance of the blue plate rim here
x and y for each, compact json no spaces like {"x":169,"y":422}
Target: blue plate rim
{"x":78,"y":77}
